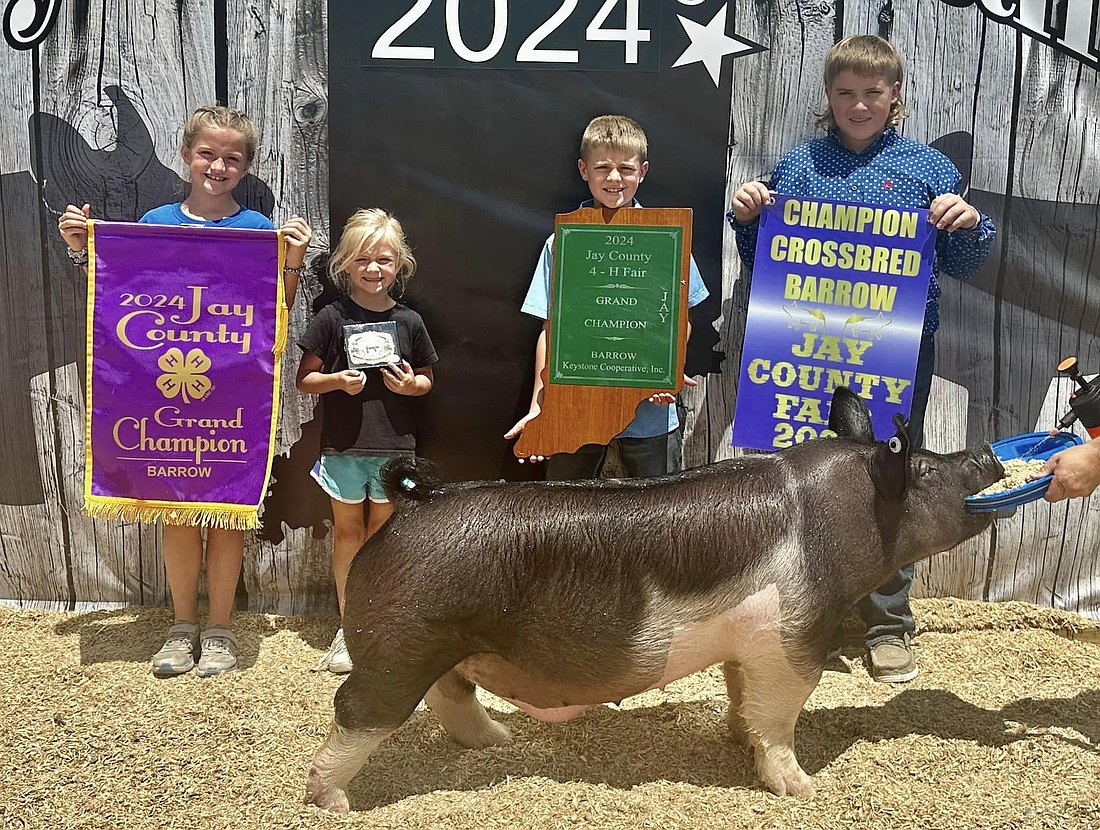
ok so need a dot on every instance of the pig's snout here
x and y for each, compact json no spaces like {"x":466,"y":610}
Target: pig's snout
{"x":987,"y":466}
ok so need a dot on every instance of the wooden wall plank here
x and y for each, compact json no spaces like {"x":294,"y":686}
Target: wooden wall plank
{"x":33,"y":567}
{"x":292,"y":577}
{"x":1048,"y":307}
{"x":941,"y":47}
{"x":774,"y":97}
{"x":110,"y":122}
{"x":35,"y":564}
{"x":960,"y":407}
{"x":277,"y":74}
{"x":961,"y":571}
{"x":278,"y":67}
{"x":111,"y":562}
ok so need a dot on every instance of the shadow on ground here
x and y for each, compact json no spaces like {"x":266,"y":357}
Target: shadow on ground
{"x":134,"y":634}
{"x":694,"y":747}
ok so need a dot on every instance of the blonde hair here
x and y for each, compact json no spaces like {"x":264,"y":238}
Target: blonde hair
{"x":616,"y":132}
{"x":869,"y":56}
{"x":365,"y":229}
{"x":205,"y":118}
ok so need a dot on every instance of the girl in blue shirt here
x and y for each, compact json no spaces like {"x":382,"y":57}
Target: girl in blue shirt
{"x":218,"y":147}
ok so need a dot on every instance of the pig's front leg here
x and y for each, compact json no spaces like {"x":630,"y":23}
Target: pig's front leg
{"x":453,"y":701}
{"x":772,"y":696}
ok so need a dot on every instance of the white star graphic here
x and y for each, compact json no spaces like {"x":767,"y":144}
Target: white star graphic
{"x":709,"y":44}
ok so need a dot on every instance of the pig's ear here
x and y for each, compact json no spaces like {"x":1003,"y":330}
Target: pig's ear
{"x":890,"y":463}
{"x":849,"y":416}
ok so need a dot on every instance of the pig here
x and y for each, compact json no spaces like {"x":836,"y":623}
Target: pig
{"x":859,"y":327}
{"x":558,"y":596}
{"x":805,"y":318}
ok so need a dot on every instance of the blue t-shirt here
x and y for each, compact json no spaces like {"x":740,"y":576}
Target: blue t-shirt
{"x":650,"y":420}
{"x":173,"y":215}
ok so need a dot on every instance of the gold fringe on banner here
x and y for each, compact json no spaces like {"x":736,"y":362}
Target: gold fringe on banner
{"x":282,"y":313}
{"x":282,"y":326}
{"x":177,"y":515}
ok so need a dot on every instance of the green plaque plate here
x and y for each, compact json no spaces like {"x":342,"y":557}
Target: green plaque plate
{"x":616,"y":305}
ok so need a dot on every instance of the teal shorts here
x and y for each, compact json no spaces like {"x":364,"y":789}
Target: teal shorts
{"x":351,"y":478}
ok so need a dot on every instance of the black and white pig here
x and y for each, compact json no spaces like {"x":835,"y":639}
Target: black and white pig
{"x":557,"y":596}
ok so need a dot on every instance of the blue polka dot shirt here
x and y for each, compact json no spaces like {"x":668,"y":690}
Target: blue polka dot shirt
{"x":893,"y":171}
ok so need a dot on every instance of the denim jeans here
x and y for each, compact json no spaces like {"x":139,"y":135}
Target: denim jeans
{"x":886,"y":611}
{"x":642,"y":457}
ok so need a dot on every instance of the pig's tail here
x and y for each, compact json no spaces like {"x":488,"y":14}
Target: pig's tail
{"x":411,"y":478}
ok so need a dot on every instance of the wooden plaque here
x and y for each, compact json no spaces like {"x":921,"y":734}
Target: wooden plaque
{"x":618,"y":323}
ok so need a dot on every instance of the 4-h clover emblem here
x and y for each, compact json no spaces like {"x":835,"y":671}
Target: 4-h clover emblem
{"x":184,"y":376}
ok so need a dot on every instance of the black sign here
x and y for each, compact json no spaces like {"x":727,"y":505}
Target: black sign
{"x":464,"y":117}
{"x":521,"y":34}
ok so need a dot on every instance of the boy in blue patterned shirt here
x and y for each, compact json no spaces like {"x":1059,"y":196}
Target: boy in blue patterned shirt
{"x":863,"y":159}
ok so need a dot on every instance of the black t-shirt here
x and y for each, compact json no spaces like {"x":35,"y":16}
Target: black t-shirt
{"x":376,"y":421}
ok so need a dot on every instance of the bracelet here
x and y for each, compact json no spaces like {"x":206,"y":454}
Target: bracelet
{"x":77,"y":257}
{"x":293,"y":269}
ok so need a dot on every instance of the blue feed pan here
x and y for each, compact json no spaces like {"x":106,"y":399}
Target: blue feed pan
{"x":1014,"y":447}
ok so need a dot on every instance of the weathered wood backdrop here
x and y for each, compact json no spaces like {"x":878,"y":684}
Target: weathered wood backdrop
{"x":94,"y":112}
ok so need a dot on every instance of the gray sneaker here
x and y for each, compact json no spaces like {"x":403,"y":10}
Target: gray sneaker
{"x":892,"y":660}
{"x":336,"y":659}
{"x":177,"y":655}
{"x":219,"y":652}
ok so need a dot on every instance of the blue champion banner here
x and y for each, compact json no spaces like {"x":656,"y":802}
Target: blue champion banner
{"x":838,"y":297}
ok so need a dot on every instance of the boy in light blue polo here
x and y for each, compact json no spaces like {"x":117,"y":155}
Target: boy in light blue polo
{"x":613,"y":161}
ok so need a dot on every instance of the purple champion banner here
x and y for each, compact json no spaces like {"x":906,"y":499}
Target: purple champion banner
{"x":183,"y":372}
{"x":838,"y":298}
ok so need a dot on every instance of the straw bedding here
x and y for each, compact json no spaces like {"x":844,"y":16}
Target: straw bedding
{"x":1000,"y":730}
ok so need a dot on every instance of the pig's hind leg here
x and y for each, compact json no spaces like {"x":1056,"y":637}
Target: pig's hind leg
{"x":453,"y":701}
{"x":767,"y":694}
